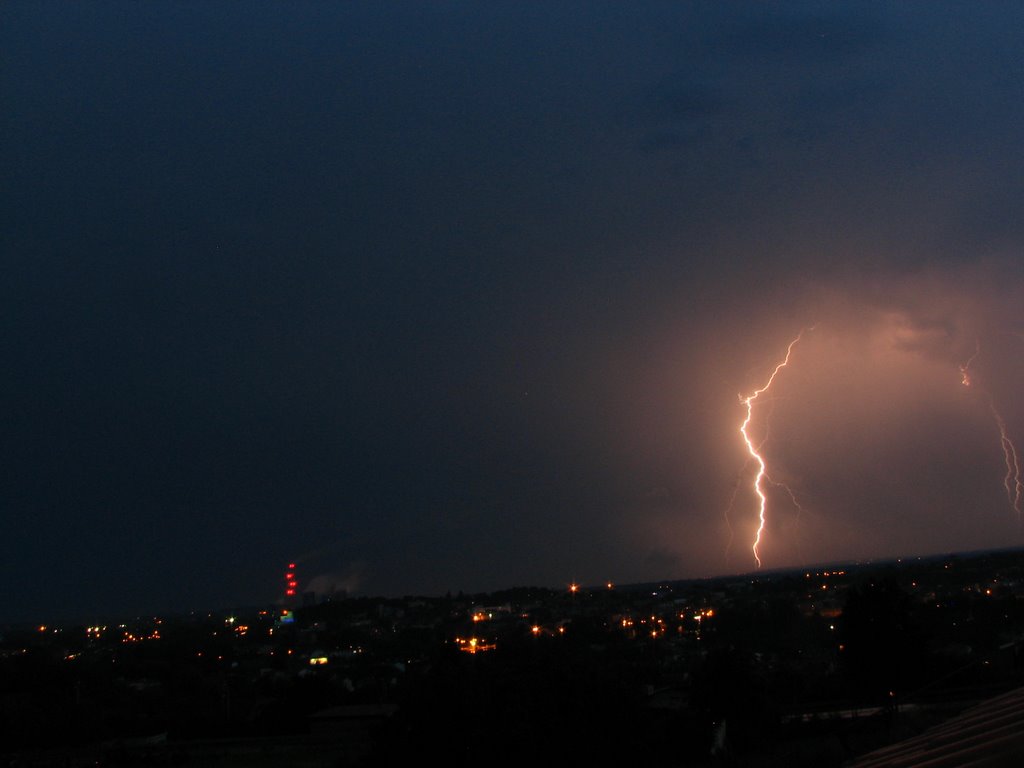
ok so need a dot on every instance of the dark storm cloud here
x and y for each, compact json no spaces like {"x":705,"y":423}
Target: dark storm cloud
{"x":451,"y":296}
{"x":807,"y":36}
{"x":686,"y":102}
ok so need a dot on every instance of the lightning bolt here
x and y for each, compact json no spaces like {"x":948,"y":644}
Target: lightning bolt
{"x":755,"y":450}
{"x":739,"y":479}
{"x":1012,"y":479}
{"x":728,"y":509}
{"x":965,"y":368}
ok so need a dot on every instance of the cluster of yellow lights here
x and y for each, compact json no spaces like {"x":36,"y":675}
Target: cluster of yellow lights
{"x":317,"y":661}
{"x":474,"y":645}
{"x":130,"y":637}
{"x":656,"y":625}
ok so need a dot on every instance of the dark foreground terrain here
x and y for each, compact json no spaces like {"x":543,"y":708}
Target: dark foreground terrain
{"x":804,"y":668}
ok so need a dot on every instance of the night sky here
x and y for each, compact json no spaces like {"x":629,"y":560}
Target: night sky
{"x":446,"y":296}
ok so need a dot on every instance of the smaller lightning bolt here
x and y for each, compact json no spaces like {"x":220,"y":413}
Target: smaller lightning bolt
{"x":1012,"y":480}
{"x":965,"y":368}
{"x":789,"y":491}
{"x":755,"y":450}
{"x":728,"y":509}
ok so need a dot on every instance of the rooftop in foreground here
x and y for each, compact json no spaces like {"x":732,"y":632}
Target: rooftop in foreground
{"x":987,"y":735}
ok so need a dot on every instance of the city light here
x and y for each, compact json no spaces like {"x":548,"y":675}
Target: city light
{"x":474,"y":645}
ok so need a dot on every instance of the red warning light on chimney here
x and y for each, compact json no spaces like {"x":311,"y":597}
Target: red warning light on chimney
{"x":291,"y":582}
